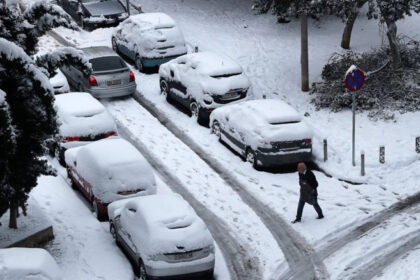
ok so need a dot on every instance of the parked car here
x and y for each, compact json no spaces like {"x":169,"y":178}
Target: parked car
{"x":264,"y":132}
{"x":111,"y":76}
{"x":28,"y":263}
{"x":82,"y":119}
{"x":91,"y":14}
{"x":202,"y":82}
{"x":59,"y":83}
{"x":163,"y":237}
{"x":149,"y":39}
{"x":109,"y":170}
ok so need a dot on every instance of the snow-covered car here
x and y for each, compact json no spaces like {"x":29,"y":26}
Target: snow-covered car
{"x":91,"y":14}
{"x":149,"y":39}
{"x":28,"y":264}
{"x":82,"y":119}
{"x":202,"y":82}
{"x":109,"y":170}
{"x":265,"y":132}
{"x":110,"y":75}
{"x":163,"y":237}
{"x":59,"y":83}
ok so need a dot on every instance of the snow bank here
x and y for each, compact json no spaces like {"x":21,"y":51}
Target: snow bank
{"x":162,"y":223}
{"x":206,"y":72}
{"x":81,"y":115}
{"x":25,"y":263}
{"x":152,"y":35}
{"x":114,"y":168}
{"x":259,"y":122}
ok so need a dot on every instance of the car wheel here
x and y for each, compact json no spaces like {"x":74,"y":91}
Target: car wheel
{"x":142,"y":271}
{"x":98,"y":215}
{"x":215,"y":128}
{"x":138,"y":63}
{"x":250,"y":157}
{"x":164,"y":89}
{"x":114,"y":45}
{"x":112,"y":231}
{"x":194,"y":109}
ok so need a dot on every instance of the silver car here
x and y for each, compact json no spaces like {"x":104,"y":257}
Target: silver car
{"x":110,"y":77}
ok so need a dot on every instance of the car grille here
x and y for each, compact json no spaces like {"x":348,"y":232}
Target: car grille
{"x":130,"y":192}
{"x":232,"y":95}
{"x":286,"y":146}
{"x":184,"y":256}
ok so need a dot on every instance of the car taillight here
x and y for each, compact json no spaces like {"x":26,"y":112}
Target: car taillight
{"x":308,"y":141}
{"x":92,"y":81}
{"x":69,"y":138}
{"x":110,"y":133}
{"x":132,"y":77}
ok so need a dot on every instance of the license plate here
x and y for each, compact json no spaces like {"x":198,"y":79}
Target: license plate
{"x":183,"y":256}
{"x":114,"y":82}
{"x":230,"y":95}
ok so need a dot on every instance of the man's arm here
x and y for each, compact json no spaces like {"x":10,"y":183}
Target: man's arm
{"x":312,"y":179}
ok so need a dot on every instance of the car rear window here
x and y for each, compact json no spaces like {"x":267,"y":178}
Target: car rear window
{"x":107,"y":63}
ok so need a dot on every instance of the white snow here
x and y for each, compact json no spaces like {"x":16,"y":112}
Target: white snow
{"x":2,"y":97}
{"x":80,"y":114}
{"x":28,"y":264}
{"x":114,"y":169}
{"x":59,"y":83}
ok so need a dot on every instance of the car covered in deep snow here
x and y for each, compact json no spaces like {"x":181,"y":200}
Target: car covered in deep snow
{"x":59,"y":83}
{"x":110,"y":76}
{"x":28,"y":264}
{"x":163,"y":237}
{"x":92,"y":14}
{"x":202,"y":82}
{"x":82,"y":119}
{"x":109,"y":170}
{"x":265,"y":132}
{"x":149,"y":39}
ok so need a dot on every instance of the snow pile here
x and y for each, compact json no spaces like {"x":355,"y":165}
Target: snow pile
{"x":26,"y":264}
{"x":162,"y":223}
{"x":114,"y":168}
{"x":260,"y":122}
{"x":81,"y":115}
{"x":205,"y":72}
{"x":152,"y":35}
{"x":59,"y":82}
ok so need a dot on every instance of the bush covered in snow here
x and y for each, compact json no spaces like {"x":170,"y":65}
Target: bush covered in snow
{"x":385,"y":89}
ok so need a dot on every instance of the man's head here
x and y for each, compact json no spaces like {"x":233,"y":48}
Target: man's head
{"x":301,"y":167}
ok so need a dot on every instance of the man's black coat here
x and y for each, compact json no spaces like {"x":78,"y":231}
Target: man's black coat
{"x":308,"y":185}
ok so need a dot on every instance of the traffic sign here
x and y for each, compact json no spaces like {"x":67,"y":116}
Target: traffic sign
{"x":354,"y":79}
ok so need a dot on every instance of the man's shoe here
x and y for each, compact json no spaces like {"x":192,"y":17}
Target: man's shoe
{"x":320,"y":217}
{"x":296,"y":221}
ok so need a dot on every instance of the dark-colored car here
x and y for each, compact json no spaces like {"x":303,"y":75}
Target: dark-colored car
{"x":110,"y":77}
{"x":91,"y":14}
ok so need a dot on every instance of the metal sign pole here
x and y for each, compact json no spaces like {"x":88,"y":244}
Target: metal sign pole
{"x":353,"y":95}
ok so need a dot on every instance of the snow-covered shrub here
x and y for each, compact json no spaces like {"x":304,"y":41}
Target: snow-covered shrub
{"x":385,"y":89}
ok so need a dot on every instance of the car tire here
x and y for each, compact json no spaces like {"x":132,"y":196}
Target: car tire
{"x":216,"y":130}
{"x":114,"y":45}
{"x":251,"y":158}
{"x":112,"y":231}
{"x":141,"y":271}
{"x":98,"y":215}
{"x":72,"y":183}
{"x":195,"y":109}
{"x":164,"y":89}
{"x":138,"y":63}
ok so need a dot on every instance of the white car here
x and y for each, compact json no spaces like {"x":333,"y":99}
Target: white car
{"x":59,"y":83}
{"x":109,"y":170}
{"x":149,"y":39}
{"x":28,"y":264}
{"x":202,"y":82}
{"x":82,"y":119}
{"x":265,"y":132}
{"x":163,"y":237}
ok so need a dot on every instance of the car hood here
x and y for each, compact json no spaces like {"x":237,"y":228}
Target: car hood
{"x":104,"y":8}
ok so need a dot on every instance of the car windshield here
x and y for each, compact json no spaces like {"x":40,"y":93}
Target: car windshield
{"x":107,"y":63}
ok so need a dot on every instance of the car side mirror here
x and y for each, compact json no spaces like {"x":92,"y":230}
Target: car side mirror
{"x":132,"y":210}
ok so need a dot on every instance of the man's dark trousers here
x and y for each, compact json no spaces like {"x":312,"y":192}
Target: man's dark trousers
{"x":315,"y":205}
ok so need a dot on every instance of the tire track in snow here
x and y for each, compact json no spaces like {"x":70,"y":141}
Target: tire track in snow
{"x":303,"y":261}
{"x":237,"y":258}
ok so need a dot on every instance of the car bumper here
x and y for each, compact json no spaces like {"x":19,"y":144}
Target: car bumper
{"x":182,"y":270}
{"x":113,"y":92}
{"x":282,"y":158}
{"x":153,"y":62}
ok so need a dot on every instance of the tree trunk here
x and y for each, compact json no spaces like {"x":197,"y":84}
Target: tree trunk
{"x":304,"y":52}
{"x":13,"y":215}
{"x":393,"y":44}
{"x":345,"y":40}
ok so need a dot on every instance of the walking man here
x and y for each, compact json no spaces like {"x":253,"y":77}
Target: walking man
{"x":308,"y":193}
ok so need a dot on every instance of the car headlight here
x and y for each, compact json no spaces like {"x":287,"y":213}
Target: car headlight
{"x":207,"y":99}
{"x":265,"y":144}
{"x":209,"y":249}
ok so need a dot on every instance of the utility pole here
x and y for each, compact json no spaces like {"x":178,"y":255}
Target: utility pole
{"x":304,"y":52}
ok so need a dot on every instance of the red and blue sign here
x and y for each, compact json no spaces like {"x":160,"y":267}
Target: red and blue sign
{"x":354,"y":80}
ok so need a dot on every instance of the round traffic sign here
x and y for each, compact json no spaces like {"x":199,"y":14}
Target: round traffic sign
{"x":354,"y":80}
